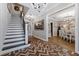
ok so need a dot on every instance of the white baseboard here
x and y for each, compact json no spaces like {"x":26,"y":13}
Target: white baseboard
{"x":39,"y":38}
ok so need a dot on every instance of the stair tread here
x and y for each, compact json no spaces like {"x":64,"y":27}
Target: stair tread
{"x":16,"y":39}
{"x":15,"y":30}
{"x":10,"y":47}
{"x":9,"y":33}
{"x":16,"y":47}
{"x":15,"y":26}
{"x":14,"y":36}
{"x":13,"y":44}
{"x":13,"y":40}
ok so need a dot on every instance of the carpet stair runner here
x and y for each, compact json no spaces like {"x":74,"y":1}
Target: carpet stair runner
{"x":15,"y":38}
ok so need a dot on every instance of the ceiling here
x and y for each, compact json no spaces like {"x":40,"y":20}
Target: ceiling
{"x":42,"y":9}
{"x":52,"y":9}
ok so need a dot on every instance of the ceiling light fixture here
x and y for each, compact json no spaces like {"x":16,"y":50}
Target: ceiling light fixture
{"x":38,"y":6}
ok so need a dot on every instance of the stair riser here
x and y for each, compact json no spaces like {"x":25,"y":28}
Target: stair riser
{"x":12,"y":40}
{"x":9,"y":47}
{"x":15,"y":27}
{"x":14,"y":36}
{"x":14,"y":49}
{"x":13,"y":44}
{"x":14,"y":30}
{"x":14,"y":33}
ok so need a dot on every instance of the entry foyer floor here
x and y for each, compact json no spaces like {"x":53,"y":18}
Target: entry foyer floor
{"x":54,"y":47}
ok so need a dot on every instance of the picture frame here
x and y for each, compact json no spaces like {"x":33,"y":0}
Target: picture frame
{"x":39,"y":25}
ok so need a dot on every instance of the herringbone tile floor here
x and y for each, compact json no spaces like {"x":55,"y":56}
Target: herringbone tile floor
{"x":42,"y":48}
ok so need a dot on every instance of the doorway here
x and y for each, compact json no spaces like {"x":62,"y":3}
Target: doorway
{"x":51,"y":24}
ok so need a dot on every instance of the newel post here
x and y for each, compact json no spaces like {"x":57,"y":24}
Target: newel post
{"x":26,"y":33}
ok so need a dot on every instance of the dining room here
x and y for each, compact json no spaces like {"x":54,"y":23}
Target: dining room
{"x":63,"y":28}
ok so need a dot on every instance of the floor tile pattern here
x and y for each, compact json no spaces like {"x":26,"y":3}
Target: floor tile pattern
{"x":42,"y":48}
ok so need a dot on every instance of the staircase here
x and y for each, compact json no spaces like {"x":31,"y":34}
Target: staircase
{"x":15,"y":37}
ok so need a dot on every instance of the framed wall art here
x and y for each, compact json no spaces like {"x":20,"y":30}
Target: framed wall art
{"x":39,"y":25}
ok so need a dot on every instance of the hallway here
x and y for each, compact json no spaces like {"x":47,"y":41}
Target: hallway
{"x":40,"y":20}
{"x":43,"y":48}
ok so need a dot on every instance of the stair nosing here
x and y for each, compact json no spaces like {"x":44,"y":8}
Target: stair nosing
{"x":12,"y":44}
{"x":8,"y":42}
{"x":15,"y":30}
{"x":14,"y":36}
{"x":13,"y":40}
{"x":14,"y":49}
{"x":14,"y":33}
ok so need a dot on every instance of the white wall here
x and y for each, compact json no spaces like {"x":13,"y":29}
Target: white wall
{"x":42,"y":34}
{"x":77,"y":28}
{"x":54,"y":28}
{"x":49,"y":30}
{"x":4,"y":20}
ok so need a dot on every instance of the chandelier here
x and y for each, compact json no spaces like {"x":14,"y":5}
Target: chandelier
{"x":38,"y":6}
